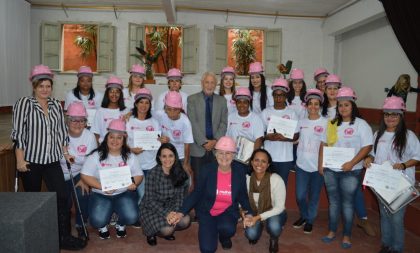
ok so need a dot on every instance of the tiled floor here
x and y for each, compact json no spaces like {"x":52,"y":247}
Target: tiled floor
{"x":291,"y":241}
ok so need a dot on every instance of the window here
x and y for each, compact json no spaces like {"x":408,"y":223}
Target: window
{"x":263,"y":44}
{"x":67,"y":46}
{"x":178,"y":45}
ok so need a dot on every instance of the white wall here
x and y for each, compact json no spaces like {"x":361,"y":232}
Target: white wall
{"x":14,"y":51}
{"x":302,"y":39}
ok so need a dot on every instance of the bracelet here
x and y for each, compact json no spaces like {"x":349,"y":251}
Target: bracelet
{"x":404,"y":166}
{"x":66,"y":153}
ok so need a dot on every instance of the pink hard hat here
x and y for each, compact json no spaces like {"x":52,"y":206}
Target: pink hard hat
{"x":137,"y":70}
{"x":346,"y":93}
{"x":143,"y":93}
{"x":41,"y":72}
{"x":174,"y":74}
{"x":297,"y":74}
{"x":314,"y":93}
{"x":333,"y":79}
{"x":280,"y":84}
{"x":243,"y":93}
{"x":394,"y":104}
{"x":173,"y":99}
{"x":114,"y":82}
{"x":117,"y":125}
{"x":226,"y":143}
{"x":228,"y":71}
{"x":255,"y":68}
{"x":320,"y":71}
{"x":76,"y":109}
{"x":85,"y":71}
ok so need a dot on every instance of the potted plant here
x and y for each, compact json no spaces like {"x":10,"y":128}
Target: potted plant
{"x":148,"y":58}
{"x":243,"y":50}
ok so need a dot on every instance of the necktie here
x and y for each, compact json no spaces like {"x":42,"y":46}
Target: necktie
{"x":209,"y":125}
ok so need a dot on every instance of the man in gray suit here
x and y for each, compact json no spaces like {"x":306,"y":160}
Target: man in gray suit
{"x":208,"y":115}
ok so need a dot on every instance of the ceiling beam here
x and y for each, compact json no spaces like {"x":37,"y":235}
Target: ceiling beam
{"x":169,"y":9}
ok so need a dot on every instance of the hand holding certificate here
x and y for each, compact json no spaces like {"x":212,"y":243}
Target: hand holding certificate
{"x":245,"y":148}
{"x":334,"y":157}
{"x":115,"y":178}
{"x":147,"y":140}
{"x":286,"y":127}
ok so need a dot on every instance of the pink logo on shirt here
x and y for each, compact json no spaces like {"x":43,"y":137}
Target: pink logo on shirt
{"x":232,"y":102}
{"x":349,"y":131}
{"x":106,"y":119}
{"x":106,"y":164}
{"x":285,"y":117}
{"x":176,"y":133}
{"x":91,"y":102}
{"x":318,"y":129}
{"x":82,"y":149}
{"x":150,"y":128}
{"x":121,"y":164}
{"x":246,"y":124}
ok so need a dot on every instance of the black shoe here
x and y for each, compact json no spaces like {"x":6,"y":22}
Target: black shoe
{"x":385,"y":249}
{"x":169,"y":238}
{"x":274,"y":245}
{"x":72,"y":243}
{"x":121,"y":232}
{"x":226,"y":243}
{"x":252,"y":242}
{"x":151,"y":240}
{"x":299,"y":223}
{"x":136,"y":225}
{"x":104,"y":233}
{"x":307,"y":229}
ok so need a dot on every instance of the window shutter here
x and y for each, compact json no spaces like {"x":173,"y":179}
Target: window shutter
{"x":190,"y":41}
{"x":51,"y":45}
{"x":272,"y":52}
{"x":136,"y":33}
{"x":105,"y":56}
{"x":220,"y":50}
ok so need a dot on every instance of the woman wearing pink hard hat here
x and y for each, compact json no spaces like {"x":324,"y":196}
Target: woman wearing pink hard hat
{"x":395,"y":144}
{"x":40,"y":138}
{"x":260,"y":94}
{"x":135,"y":82}
{"x":174,"y":77}
{"x":113,"y":152}
{"x":297,"y":92}
{"x":329,"y":107}
{"x":220,"y":188}
{"x":320,"y":75}
{"x":227,"y":87}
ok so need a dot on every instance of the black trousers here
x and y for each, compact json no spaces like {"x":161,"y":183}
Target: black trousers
{"x":198,"y":162}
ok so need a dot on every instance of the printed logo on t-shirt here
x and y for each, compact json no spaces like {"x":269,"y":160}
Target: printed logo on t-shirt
{"x":81,"y":150}
{"x":285,"y":116}
{"x":134,"y":128}
{"x":106,"y":119}
{"x":246,"y":124}
{"x":150,"y":128}
{"x":176,"y":133}
{"x":122,"y":163}
{"x":232,"y":102}
{"x":106,"y":164}
{"x":318,"y":129}
{"x":348,"y":131}
{"x":91,"y":102}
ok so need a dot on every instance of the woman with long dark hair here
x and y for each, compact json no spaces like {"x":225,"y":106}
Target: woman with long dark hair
{"x":135,"y":83}
{"x":329,"y":107}
{"x":258,"y":88}
{"x":297,"y":92}
{"x":394,"y":143}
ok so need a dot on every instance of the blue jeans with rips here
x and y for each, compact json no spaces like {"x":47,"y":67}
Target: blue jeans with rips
{"x":274,"y":226}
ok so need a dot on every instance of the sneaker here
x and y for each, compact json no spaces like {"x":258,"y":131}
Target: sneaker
{"x":114,"y":219}
{"x":307,"y":229}
{"x":104,"y":233}
{"x":365,"y":225}
{"x":226,"y":243}
{"x":385,"y":249}
{"x":136,"y":225}
{"x":121,"y":233}
{"x":299,"y":223}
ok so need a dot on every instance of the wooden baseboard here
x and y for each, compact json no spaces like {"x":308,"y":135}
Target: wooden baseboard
{"x":374,"y":116}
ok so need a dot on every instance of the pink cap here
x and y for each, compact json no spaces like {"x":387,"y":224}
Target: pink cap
{"x":114,"y":82}
{"x":320,"y":71}
{"x":228,"y":71}
{"x":297,"y":74}
{"x":314,"y":93}
{"x":85,"y":71}
{"x":333,"y":79}
{"x":174,"y":74}
{"x":346,"y":93}
{"x":280,"y":84}
{"x":394,"y":104}
{"x":143,"y":93}
{"x":76,"y":109}
{"x":117,"y":125}
{"x":138,"y":70}
{"x":173,"y":99}
{"x":41,"y":72}
{"x":242,"y":92}
{"x":255,"y":68}
{"x":226,"y":143}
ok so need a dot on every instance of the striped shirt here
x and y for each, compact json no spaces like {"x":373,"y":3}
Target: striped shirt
{"x":40,"y":136}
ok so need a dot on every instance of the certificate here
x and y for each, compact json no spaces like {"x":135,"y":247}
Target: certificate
{"x":334,"y":157}
{"x":147,"y":140}
{"x":286,"y":127}
{"x":245,"y":148}
{"x":90,"y":116}
{"x":115,"y":178}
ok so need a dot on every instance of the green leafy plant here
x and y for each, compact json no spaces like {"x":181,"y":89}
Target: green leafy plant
{"x":148,"y":58}
{"x":244,"y":52}
{"x":87,"y":42}
{"x":161,"y":38}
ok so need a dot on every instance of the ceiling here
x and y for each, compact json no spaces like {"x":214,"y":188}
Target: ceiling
{"x":297,"y":8}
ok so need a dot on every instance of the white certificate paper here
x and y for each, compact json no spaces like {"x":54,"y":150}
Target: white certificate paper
{"x":334,"y":157}
{"x":286,"y":127}
{"x":115,"y":178}
{"x":90,"y":116}
{"x":147,"y":140}
{"x":245,"y":148}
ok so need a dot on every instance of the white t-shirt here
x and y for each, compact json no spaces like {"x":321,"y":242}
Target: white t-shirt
{"x":355,"y":136}
{"x":249,"y":126}
{"x":78,"y":147}
{"x":93,"y":165}
{"x":280,"y":151}
{"x":385,"y":152}
{"x":160,"y":102}
{"x":147,"y":158}
{"x":311,"y":134}
{"x":256,"y":101}
{"x":331,"y":112}
{"x":103,"y":117}
{"x":298,"y":106}
{"x":94,"y":103}
{"x":231,"y":105}
{"x":128,"y":98}
{"x":179,"y":131}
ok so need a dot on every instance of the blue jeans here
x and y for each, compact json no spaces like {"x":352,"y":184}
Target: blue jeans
{"x":341,"y":189}
{"x":392,"y":228}
{"x":83,"y":200}
{"x":141,"y":187}
{"x":308,"y":188}
{"x":359,"y":203}
{"x":283,"y":169}
{"x":124,"y":205}
{"x":274,"y":226}
{"x":210,"y":228}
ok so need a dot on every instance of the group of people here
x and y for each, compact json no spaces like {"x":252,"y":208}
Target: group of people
{"x":195,"y":165}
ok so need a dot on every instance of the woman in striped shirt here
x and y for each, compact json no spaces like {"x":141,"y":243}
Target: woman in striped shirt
{"x":40,"y":137}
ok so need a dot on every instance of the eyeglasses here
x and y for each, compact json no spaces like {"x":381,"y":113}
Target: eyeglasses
{"x":77,"y":121}
{"x":221,"y":153}
{"x":392,"y":115}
